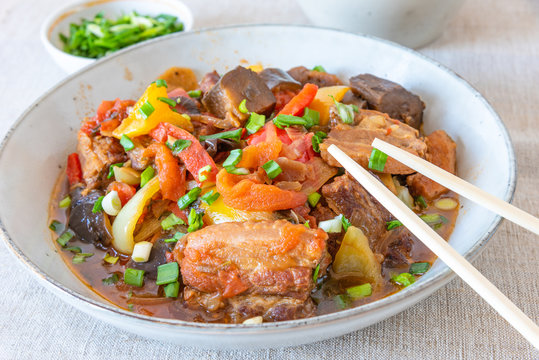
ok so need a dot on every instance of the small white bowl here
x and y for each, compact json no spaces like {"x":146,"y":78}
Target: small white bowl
{"x":59,"y":22}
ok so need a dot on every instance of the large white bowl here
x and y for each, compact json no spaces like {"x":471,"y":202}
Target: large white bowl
{"x":36,"y":147}
{"x":58,"y":22}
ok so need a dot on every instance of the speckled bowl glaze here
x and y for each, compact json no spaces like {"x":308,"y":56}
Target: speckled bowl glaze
{"x":35,"y":150}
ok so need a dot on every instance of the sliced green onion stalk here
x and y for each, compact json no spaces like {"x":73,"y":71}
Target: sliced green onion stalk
{"x":177,"y":236}
{"x":172,"y":289}
{"x":179,"y":145}
{"x":315,"y":274}
{"x":56,"y":226}
{"x":313,"y":199}
{"x":111,"y":280}
{"x":64,"y":238}
{"x":188,"y":198}
{"x":171,"y":221}
{"x":195,"y":221}
{"x":111,"y":169}
{"x":390,"y":225}
{"x":317,"y":139}
{"x":111,"y":203}
{"x":81,"y":257}
{"x":65,"y":202}
{"x":433,"y":219}
{"x":312,"y":117}
{"x":167,"y":101}
{"x":319,"y":68}
{"x":342,"y":301}
{"x":201,"y":173}
{"x":360,"y":291}
{"x":419,"y":268}
{"x":146,"y":109}
{"x":134,"y":277}
{"x":282,"y":121}
{"x":98,"y":205}
{"x":161,"y":83}
{"x":126,"y":142}
{"x":236,"y":171}
{"x":333,"y":225}
{"x":377,"y":160}
{"x":345,"y":111}
{"x":421,"y":201}
{"x":233,"y":159}
{"x":194,"y":93}
{"x":73,"y":249}
{"x":345,"y":223}
{"x":272,"y":169}
{"x":130,"y":307}
{"x":242,"y":107}
{"x":146,"y":176}
{"x":141,"y":251}
{"x":126,"y":220}
{"x":232,"y":135}
{"x":404,"y":279}
{"x":307,"y":225}
{"x":255,"y":123}
{"x":111,"y":259}
{"x":210,"y":197}
{"x":167,"y":273}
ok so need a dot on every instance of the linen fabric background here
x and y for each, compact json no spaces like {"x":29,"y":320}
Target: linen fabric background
{"x":494,"y":44}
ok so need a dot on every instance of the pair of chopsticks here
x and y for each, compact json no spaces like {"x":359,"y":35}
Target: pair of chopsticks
{"x":435,"y":242}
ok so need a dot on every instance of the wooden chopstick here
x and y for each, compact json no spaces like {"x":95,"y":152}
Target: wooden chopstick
{"x":460,"y":186}
{"x":441,"y":248}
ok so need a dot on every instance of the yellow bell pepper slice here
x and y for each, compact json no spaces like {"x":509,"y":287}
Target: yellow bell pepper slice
{"x":137,"y":123}
{"x":126,"y":220}
{"x":256,"y":67}
{"x":323,"y":101}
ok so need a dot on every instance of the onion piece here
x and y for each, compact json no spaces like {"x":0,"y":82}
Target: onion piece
{"x":124,"y":224}
{"x":111,"y":203}
{"x":126,"y":175}
{"x":141,"y":251}
{"x":331,"y":226}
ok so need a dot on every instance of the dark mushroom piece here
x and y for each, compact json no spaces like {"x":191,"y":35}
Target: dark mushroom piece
{"x":89,"y":226}
{"x":158,"y":256}
{"x":278,"y":80}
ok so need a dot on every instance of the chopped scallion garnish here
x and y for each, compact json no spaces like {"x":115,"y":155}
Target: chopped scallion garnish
{"x":432,"y":219}
{"x":146,"y":176}
{"x":146,"y":109}
{"x":111,"y":169}
{"x":317,"y":139}
{"x":404,"y":279}
{"x":167,"y":101}
{"x":319,"y":68}
{"x":134,"y":277}
{"x":342,"y":301}
{"x":167,"y":273}
{"x":282,"y":121}
{"x":232,"y":135}
{"x":111,"y":259}
{"x":81,"y":257}
{"x":195,"y":221}
{"x":172,"y":289}
{"x":233,"y":159}
{"x":313,"y":199}
{"x":111,"y":280}
{"x":419,"y":268}
{"x":56,"y":226}
{"x":127,"y":143}
{"x":345,"y":111}
{"x":64,"y":238}
{"x":272,"y":169}
{"x":421,"y":201}
{"x":360,"y":291}
{"x":195,"y":93}
{"x":177,"y":236}
{"x":202,"y":173}
{"x":98,"y":205}
{"x":255,"y":123}
{"x":312,"y":117}
{"x":315,"y":274}
{"x":390,"y":225}
{"x":179,"y":145}
{"x":171,"y":221}
{"x":188,"y":198}
{"x":242,"y":107}
{"x":237,"y":171}
{"x":65,"y":202}
{"x":73,"y":249}
{"x":210,"y":197}
{"x":377,"y":160}
{"x":345,"y":223}
{"x":160,"y":83}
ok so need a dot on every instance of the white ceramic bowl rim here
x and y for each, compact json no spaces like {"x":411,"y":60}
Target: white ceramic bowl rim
{"x":444,"y":275}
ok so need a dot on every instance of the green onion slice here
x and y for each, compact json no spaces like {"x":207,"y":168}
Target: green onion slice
{"x":242,"y":107}
{"x":319,"y":68}
{"x":419,"y":268}
{"x":393,"y":224}
{"x":98,"y":205}
{"x":194,"y":93}
{"x":64,"y":238}
{"x":179,"y":145}
{"x":345,"y":223}
{"x":146,"y":176}
{"x":342,"y":301}
{"x":282,"y":121}
{"x":377,"y":160}
{"x":177,"y":236}
{"x":171,"y":221}
{"x":146,"y":109}
{"x":56,"y":226}
{"x":111,"y":259}
{"x":313,"y":199}
{"x":195,"y":221}
{"x":111,"y":169}
{"x":255,"y":123}
{"x":134,"y":277}
{"x":236,"y":171}
{"x":272,"y":169}
{"x":65,"y":202}
{"x":160,"y":83}
{"x":360,"y":291}
{"x":188,"y":198}
{"x":317,"y":139}
{"x":345,"y":111}
{"x":172,"y":289}
{"x":73,"y":249}
{"x":233,"y":159}
{"x":421,"y":201}
{"x":111,"y":280}
{"x":315,"y":274}
{"x":201,"y":176}
{"x":167,"y":273}
{"x":312,"y":117}
{"x":232,"y":135}
{"x":127,"y":143}
{"x":167,"y":101}
{"x":210,"y":197}
{"x":404,"y":279}
{"x":81,"y":257}
{"x":433,"y":219}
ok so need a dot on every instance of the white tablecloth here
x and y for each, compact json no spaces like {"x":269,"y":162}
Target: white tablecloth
{"x":493,"y":44}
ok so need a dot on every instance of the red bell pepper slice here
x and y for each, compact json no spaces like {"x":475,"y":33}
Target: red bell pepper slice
{"x":299,"y":102}
{"x":171,"y":175}
{"x":125,"y":191}
{"x":73,"y":170}
{"x":194,"y":157}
